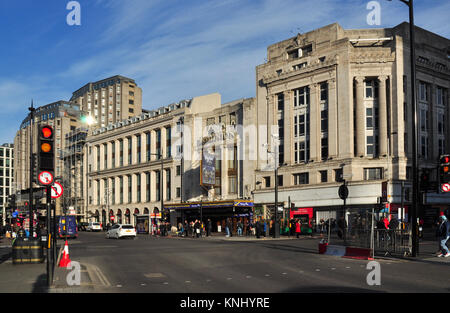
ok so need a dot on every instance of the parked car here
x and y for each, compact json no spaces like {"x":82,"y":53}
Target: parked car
{"x":121,"y":230}
{"x":94,"y":226}
{"x":83,"y":226}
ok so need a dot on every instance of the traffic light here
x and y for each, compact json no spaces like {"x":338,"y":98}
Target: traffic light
{"x":444,"y":169}
{"x":46,"y":153}
{"x":425,"y":180}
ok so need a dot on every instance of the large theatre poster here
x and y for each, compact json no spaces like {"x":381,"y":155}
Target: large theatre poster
{"x":208,"y":166}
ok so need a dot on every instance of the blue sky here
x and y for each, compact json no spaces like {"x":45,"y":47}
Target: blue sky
{"x":173,"y":49}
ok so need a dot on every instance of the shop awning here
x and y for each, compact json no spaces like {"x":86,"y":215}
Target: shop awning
{"x":209,"y":204}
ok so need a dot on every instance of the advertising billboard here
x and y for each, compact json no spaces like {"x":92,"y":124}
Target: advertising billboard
{"x":208,"y":166}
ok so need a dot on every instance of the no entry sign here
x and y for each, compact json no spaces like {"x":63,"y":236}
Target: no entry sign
{"x":57,"y":190}
{"x":445,"y":187}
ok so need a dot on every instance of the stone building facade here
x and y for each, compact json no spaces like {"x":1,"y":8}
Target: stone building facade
{"x":123,"y":167}
{"x":64,"y":117}
{"x":110,"y":100}
{"x":340,"y":103}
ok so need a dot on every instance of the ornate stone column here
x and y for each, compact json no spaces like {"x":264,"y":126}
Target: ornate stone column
{"x":314,"y":118}
{"x":382,"y":118}
{"x":332,"y":120}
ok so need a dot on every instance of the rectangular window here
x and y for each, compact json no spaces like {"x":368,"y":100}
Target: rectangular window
{"x":130,"y":146}
{"x":323,"y":176}
{"x":324,"y":148}
{"x":178,"y":170}
{"x":338,"y":175}
{"x":147,"y":188}
{"x":98,"y":157}
{"x":130,"y":188}
{"x":138,"y":187}
{"x":168,"y":194}
{"x":232,"y":184}
{"x":301,"y":179}
{"x":301,"y":96}
{"x":158,"y":185}
{"x":178,"y":192}
{"x":168,"y":142}
{"x":158,"y":144}
{"x":121,"y":152}
{"x":280,"y":98}
{"x":113,"y":191}
{"x":121,"y":189}
{"x":138,"y":152}
{"x":369,"y":118}
{"x":370,"y":145}
{"x":113,"y":153}
{"x":423,"y":92}
{"x":371,"y":89}
{"x":280,"y":180}
{"x":105,"y":148}
{"x":323,"y":91}
{"x":148,"y":146}
{"x":373,"y":173}
{"x":267,"y":181}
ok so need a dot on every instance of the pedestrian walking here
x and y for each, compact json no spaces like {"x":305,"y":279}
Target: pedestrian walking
{"x":342,"y":226}
{"x":258,"y":229}
{"x":208,"y":227}
{"x":197,"y":227}
{"x":228,"y":227}
{"x":298,"y":228}
{"x":239,"y":228}
{"x":443,"y":233}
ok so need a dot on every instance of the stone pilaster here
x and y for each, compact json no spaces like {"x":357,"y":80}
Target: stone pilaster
{"x":382,"y":118}
{"x":332,"y":120}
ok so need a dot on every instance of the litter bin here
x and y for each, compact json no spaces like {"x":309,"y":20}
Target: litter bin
{"x":36,"y":250}
{"x":27,"y":251}
{"x":19,"y":254}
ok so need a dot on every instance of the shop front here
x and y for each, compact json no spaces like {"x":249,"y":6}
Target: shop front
{"x":217,"y":211}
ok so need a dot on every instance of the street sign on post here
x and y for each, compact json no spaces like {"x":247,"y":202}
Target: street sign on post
{"x":57,"y":190}
{"x":343,"y":192}
{"x":445,"y":187}
{"x":45,"y":178}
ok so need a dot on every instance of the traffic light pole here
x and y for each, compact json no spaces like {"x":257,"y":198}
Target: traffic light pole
{"x":30,"y":225}
{"x":49,"y":237}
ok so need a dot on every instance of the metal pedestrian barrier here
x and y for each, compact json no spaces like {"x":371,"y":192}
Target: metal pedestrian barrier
{"x":393,"y":241}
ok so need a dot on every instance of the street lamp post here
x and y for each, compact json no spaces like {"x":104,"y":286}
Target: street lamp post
{"x":415,"y":193}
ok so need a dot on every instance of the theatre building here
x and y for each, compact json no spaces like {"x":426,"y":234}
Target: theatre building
{"x":219,"y":178}
{"x":340,"y":101}
{"x":147,"y":168}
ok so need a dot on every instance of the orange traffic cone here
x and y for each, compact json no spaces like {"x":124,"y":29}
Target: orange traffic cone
{"x":65,"y":260}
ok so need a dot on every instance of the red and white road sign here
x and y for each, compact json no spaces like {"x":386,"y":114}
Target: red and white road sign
{"x":57,"y":190}
{"x":445,"y":187}
{"x":45,"y":178}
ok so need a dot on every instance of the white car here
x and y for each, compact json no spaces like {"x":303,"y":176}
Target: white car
{"x":94,"y":226}
{"x":121,"y":230}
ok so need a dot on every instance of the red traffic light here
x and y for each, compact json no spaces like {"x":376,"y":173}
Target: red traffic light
{"x":445,"y":159}
{"x":46,"y":132}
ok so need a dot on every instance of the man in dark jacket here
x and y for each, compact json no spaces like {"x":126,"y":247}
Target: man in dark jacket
{"x":257,"y":229}
{"x":393,"y":224}
{"x":443,"y":233}
{"x":208,"y":228}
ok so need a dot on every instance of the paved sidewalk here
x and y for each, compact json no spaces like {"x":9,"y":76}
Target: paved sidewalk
{"x":32,"y":278}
